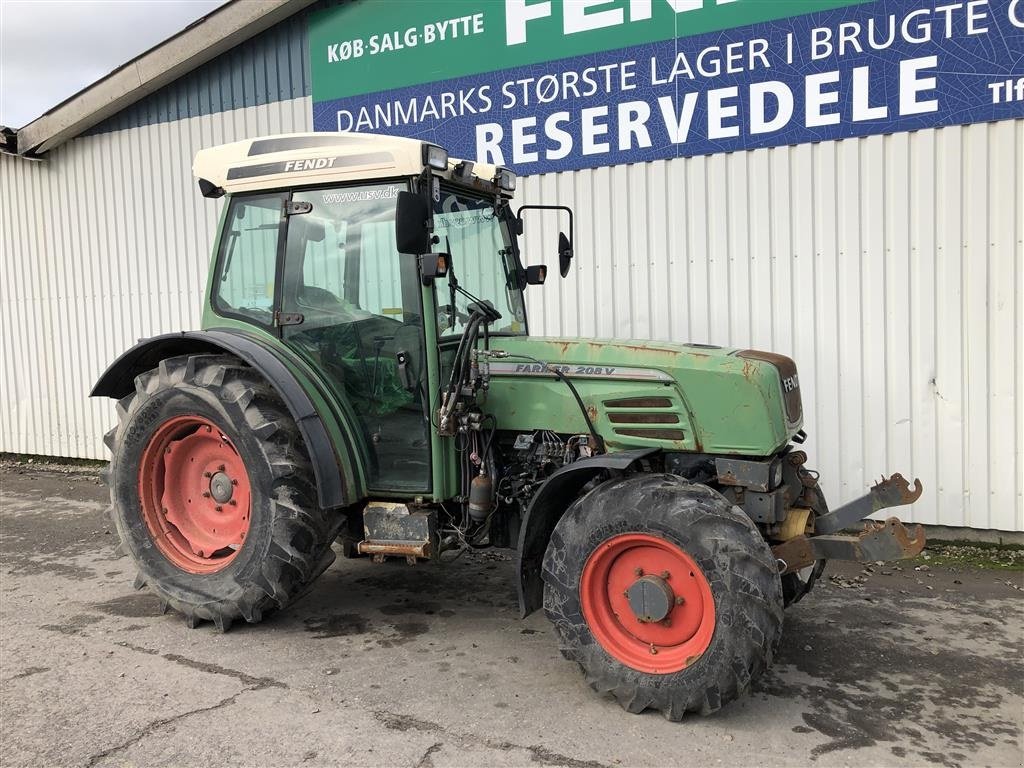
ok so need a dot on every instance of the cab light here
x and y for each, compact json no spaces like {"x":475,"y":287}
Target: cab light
{"x":435,"y":157}
{"x":505,"y":179}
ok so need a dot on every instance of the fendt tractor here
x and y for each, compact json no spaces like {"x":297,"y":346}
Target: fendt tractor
{"x":365,"y":380}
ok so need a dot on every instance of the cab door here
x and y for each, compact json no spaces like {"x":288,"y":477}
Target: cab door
{"x":351,"y":305}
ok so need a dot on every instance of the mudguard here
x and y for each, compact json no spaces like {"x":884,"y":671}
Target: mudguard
{"x":119,"y":380}
{"x":547,"y":507}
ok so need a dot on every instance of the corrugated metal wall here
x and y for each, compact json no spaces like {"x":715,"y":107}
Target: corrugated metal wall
{"x":889,"y":267}
{"x":272,"y":66}
{"x":104,"y":242}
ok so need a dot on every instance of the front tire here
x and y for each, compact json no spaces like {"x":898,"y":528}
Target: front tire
{"x":666,"y":596}
{"x":213,"y":493}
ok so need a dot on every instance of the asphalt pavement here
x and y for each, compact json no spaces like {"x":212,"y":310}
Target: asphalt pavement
{"x":428,"y":665}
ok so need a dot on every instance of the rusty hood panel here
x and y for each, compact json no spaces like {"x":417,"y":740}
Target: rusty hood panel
{"x":717,"y":400}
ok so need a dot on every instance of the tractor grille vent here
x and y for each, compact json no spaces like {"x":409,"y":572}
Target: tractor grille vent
{"x":653,"y":434}
{"x":632,"y":421}
{"x":620,"y":417}
{"x":639,"y":402}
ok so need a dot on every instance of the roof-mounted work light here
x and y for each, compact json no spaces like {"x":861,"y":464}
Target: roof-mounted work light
{"x":505,"y":179}
{"x":435,"y":157}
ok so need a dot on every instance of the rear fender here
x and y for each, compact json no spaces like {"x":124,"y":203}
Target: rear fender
{"x":546,"y":509}
{"x":337,"y":482}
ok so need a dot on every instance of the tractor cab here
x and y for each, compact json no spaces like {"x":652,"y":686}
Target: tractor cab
{"x":309,"y":252}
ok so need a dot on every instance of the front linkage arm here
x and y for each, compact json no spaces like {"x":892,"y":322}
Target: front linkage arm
{"x":878,"y":541}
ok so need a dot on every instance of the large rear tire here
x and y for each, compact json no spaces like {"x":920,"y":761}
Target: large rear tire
{"x":666,"y":596}
{"x":213,"y":493}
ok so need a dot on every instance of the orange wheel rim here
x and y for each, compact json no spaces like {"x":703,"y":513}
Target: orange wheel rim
{"x":647,"y":603}
{"x":195,"y":494}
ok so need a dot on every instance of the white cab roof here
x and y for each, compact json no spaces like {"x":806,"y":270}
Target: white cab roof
{"x":295,"y":159}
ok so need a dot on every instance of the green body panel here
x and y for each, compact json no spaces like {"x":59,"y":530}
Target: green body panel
{"x":338,"y":418}
{"x":725,"y":404}
{"x":444,"y":472}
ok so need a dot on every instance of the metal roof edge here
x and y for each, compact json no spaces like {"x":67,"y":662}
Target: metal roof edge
{"x":210,"y":36}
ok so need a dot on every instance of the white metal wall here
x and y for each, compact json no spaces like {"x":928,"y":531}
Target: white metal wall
{"x":106,"y":241}
{"x":890,"y":267}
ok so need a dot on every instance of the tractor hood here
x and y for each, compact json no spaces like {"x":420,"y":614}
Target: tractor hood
{"x":683,"y":397}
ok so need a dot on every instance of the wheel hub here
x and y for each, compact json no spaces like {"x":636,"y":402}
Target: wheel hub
{"x":651,"y":598}
{"x":220,"y":488}
{"x":195,"y":494}
{"x":647,"y":602}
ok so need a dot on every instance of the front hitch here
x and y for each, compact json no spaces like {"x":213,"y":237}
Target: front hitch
{"x":890,"y":540}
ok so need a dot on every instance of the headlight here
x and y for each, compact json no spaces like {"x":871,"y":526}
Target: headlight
{"x":505,"y":179}
{"x":435,"y":157}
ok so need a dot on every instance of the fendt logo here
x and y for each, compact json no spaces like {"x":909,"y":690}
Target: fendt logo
{"x":791,"y":383}
{"x":583,"y":17}
{"x":314,"y":164}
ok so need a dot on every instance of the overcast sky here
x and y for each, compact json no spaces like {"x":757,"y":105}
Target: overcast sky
{"x":50,"y":49}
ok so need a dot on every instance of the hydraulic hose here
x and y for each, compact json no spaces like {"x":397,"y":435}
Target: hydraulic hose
{"x":598,"y":441}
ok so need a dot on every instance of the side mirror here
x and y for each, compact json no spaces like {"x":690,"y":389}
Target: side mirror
{"x":536,"y":274}
{"x":434,"y":265}
{"x":411,"y":217}
{"x":564,"y":253}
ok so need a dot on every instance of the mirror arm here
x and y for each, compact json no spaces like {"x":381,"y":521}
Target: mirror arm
{"x":567,"y":209}
{"x":426,"y":180}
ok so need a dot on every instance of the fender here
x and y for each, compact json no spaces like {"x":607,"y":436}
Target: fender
{"x":119,"y":380}
{"x":547,"y":507}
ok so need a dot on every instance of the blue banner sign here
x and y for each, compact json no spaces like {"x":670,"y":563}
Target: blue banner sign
{"x":876,"y":67}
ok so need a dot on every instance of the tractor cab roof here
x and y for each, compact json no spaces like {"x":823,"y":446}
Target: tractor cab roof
{"x":298,"y":159}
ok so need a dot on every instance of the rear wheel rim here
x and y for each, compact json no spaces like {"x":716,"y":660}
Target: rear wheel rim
{"x":195,"y":494}
{"x":679,"y":622}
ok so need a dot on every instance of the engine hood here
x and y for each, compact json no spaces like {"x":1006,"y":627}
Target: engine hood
{"x":689,"y":397}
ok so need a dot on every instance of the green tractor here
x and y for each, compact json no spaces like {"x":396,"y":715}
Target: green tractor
{"x":365,"y":375}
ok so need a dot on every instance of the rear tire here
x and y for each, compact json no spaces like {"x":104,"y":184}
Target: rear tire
{"x":213,"y":411}
{"x":714,"y":643}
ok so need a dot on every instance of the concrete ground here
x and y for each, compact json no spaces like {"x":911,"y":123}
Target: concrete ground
{"x":429,"y":666}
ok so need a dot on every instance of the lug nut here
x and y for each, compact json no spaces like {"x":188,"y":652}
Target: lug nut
{"x":666,"y":575}
{"x":207,"y":474}
{"x":680,"y":600}
{"x":219,"y":508}
{"x":221,"y":468}
{"x":233,"y":503}
{"x":234,"y":482}
{"x":206,"y":494}
{"x":638,"y":571}
{"x":654,"y":650}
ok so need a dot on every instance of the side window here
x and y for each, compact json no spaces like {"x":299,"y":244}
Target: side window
{"x":244,"y":284}
{"x":342,"y":264}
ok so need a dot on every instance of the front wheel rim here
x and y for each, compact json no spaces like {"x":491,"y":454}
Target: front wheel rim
{"x":195,"y":494}
{"x":647,"y":603}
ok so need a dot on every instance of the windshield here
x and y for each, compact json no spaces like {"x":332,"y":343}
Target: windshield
{"x":483,"y":262}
